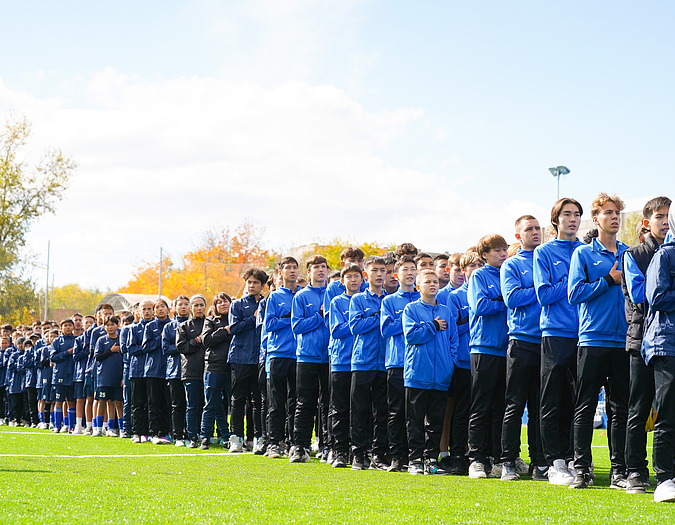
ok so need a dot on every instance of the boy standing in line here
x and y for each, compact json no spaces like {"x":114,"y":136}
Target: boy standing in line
{"x":430,"y":357}
{"x":369,"y":377}
{"x":593,"y":280}
{"x":489,"y":338}
{"x":341,"y":346}
{"x":139,"y":387}
{"x":523,"y":358}
{"x":312,"y":369}
{"x":62,"y":383}
{"x":109,"y":368}
{"x":281,"y":347}
{"x":641,"y":396}
{"x":559,"y":326}
{"x":391,"y":326}
{"x":350,"y":255}
{"x":441,"y":266}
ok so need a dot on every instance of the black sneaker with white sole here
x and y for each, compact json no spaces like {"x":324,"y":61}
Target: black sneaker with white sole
{"x":635,"y":484}
{"x":581,"y":481}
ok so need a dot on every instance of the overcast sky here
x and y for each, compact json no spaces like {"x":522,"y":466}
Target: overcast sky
{"x":427,"y":122}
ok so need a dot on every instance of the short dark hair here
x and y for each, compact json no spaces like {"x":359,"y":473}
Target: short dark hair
{"x":222,"y":296}
{"x":181,"y":298}
{"x":7,"y":326}
{"x":67,"y":321}
{"x":107,"y":306}
{"x":388,"y":260}
{"x":352,"y":252}
{"x":655,"y":204}
{"x":590,"y":235}
{"x":557,"y":210}
{"x":351,"y":268}
{"x":317,"y":259}
{"x":374,"y":259}
{"x":128,"y":318}
{"x":90,"y":317}
{"x":334,"y":274}
{"x":421,"y":256}
{"x":287,"y":260}
{"x":256,"y":273}
{"x":76,"y":314}
{"x":406,"y":248}
{"x":524,"y":218}
{"x":114,"y":320}
{"x":441,"y":257}
{"x":404,"y":259}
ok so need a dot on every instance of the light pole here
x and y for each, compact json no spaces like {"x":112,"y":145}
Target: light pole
{"x":557,"y":172}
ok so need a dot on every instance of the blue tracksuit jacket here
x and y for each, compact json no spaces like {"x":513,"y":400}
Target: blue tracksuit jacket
{"x":245,"y":345}
{"x":487,"y":313}
{"x":80,"y":356}
{"x":280,"y":338}
{"x":602,"y":319}
{"x":62,"y":372}
{"x":430,"y":354}
{"x":391,"y":326}
{"x":364,"y":322}
{"x":458,"y":303}
{"x":341,"y":339}
{"x":333,"y":290}
{"x":310,"y":327}
{"x":551,"y":273}
{"x":659,"y":334}
{"x":134,"y":348}
{"x":155,"y":360}
{"x":173,"y":363}
{"x":520,"y":297}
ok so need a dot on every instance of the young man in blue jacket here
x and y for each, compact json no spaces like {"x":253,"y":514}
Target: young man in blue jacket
{"x":460,"y":386}
{"x":312,"y":370}
{"x":430,"y":357}
{"x":594,"y":286}
{"x":340,"y":347}
{"x":369,"y":377}
{"x":244,"y":355}
{"x":281,"y":347}
{"x":109,"y":369}
{"x":658,"y":347}
{"x":489,"y":338}
{"x":391,"y":327}
{"x":559,"y":326}
{"x":524,"y":352}
{"x":139,"y":387}
{"x":62,"y":374}
{"x":350,"y":255}
{"x":641,"y":396}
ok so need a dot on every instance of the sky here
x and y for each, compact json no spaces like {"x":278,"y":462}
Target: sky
{"x":428,"y":122}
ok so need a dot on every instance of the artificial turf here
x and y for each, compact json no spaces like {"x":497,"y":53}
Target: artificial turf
{"x":46,"y":478}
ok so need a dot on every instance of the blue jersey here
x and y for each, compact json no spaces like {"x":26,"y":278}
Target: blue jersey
{"x":520,"y":297}
{"x":364,"y":322}
{"x":391,"y":326}
{"x":487,"y":313}
{"x":309,"y":325}
{"x":62,"y":372}
{"x":109,"y":365}
{"x":458,"y":303}
{"x":341,"y":338}
{"x":280,"y":338}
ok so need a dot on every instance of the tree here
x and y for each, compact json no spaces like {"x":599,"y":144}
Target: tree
{"x":74,"y":297}
{"x":332,"y":251}
{"x":629,"y":224}
{"x":26,"y":192}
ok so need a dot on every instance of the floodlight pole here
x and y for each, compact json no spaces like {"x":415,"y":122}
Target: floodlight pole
{"x":160,"y":273}
{"x":47,"y":286}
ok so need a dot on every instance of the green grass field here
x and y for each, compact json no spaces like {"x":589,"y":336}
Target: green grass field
{"x":46,"y":478}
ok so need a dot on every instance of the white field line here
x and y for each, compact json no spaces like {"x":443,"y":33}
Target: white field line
{"x":122,"y":455}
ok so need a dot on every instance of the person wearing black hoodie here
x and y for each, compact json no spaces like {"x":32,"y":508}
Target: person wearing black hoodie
{"x":191,"y":348}
{"x":217,"y":375}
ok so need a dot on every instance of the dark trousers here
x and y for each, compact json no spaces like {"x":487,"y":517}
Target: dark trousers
{"x":641,"y":396}
{"x":194,"y":405}
{"x":324,"y":432}
{"x":177,"y":396}
{"x":3,"y":402}
{"x":523,"y":368}
{"x":158,"y":417}
{"x":460,"y":388}
{"x":594,"y":366}
{"x":217,"y":388}
{"x":245,"y":385}
{"x":16,"y":406}
{"x":338,"y":414}
{"x":558,"y":391}
{"x":31,"y":408}
{"x":309,"y":380}
{"x":488,"y":384}
{"x":264,"y":401}
{"x":281,"y":399}
{"x":368,"y":398}
{"x":425,"y":411}
{"x":664,"y":426}
{"x":139,"y":406}
{"x":396,"y":423}
{"x":126,"y":405}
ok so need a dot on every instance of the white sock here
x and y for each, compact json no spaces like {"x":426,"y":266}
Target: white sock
{"x":79,"y":421}
{"x":89,"y":424}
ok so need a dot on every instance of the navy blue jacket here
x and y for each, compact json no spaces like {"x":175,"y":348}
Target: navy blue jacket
{"x":551,"y":272}
{"x":29,"y":367}
{"x":520,"y":297}
{"x":280,"y":338}
{"x":659,"y":335}
{"x":430,"y":354}
{"x":487,"y":313}
{"x":169,"y":349}
{"x":155,"y":360}
{"x":63,"y":360}
{"x":245,"y":345}
{"x":364,"y":322}
{"x":15,"y":372}
{"x":602,"y":319}
{"x":109,"y":365}
{"x":309,"y":326}
{"x":391,"y":326}
{"x":80,"y":356}
{"x":134,"y":346}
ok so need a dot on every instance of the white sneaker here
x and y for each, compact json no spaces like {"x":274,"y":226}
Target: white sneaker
{"x":88,"y":431}
{"x":477,"y":470}
{"x":522,"y":467}
{"x":112,"y":433}
{"x":236,"y":444}
{"x":179,"y":443}
{"x":496,"y":471}
{"x":558,"y":473}
{"x":571,"y":469}
{"x":257,"y":445}
{"x":315,"y":446}
{"x":97,"y":432}
{"x":64,"y":429}
{"x":78,"y":431}
{"x":665,"y":491}
{"x":51,"y":425}
{"x":42,"y":426}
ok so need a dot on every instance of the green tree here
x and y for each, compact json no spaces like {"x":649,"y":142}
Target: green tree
{"x":27,"y":191}
{"x":629,"y":225}
{"x":74,"y":297}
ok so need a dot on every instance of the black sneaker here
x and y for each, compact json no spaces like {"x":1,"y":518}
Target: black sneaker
{"x":340,"y":460}
{"x":378,"y":463}
{"x":581,"y":481}
{"x":635,"y":484}
{"x":357,"y":462}
{"x":431,"y":467}
{"x":396,"y":465}
{"x":194,"y":443}
{"x":618,"y":481}
{"x":445,"y":463}
{"x":459,"y":466}
{"x":416,"y":467}
{"x":206,"y":443}
{"x":540,"y":474}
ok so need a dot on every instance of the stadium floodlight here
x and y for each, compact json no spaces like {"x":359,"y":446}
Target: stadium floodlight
{"x":557,"y":172}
